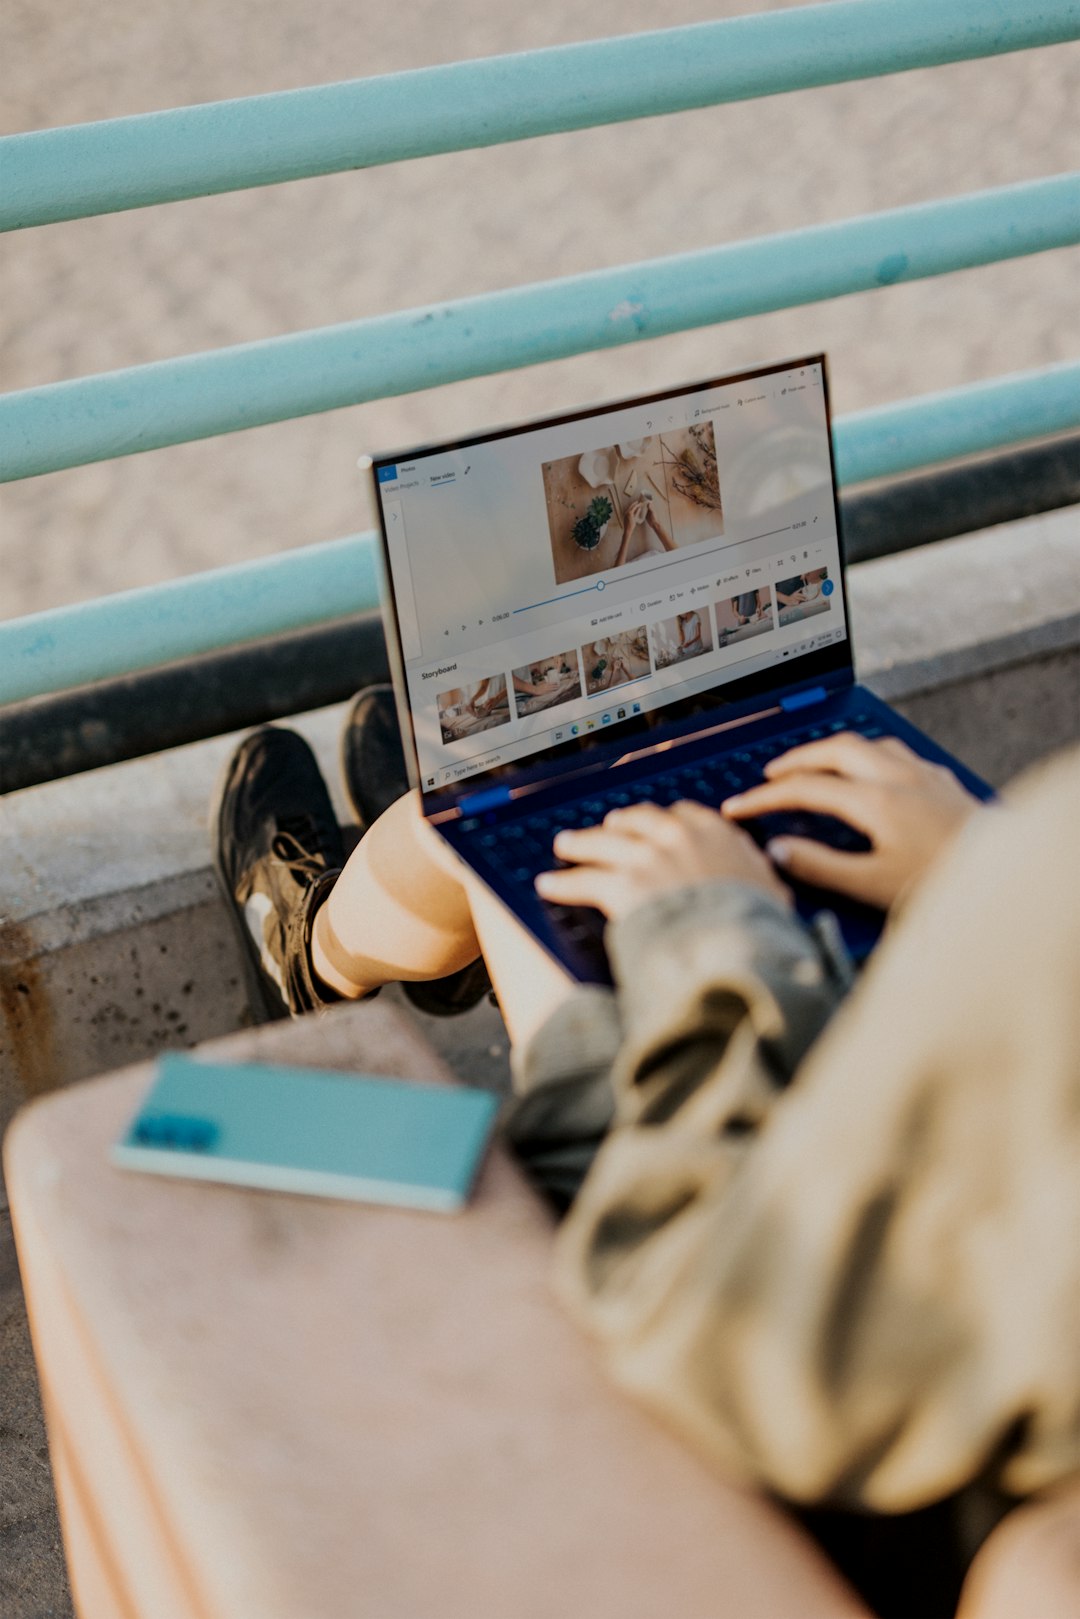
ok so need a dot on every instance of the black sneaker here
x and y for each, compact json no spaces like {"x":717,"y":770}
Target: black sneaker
{"x":372,"y":757}
{"x":278,"y":851}
{"x":373,"y":765}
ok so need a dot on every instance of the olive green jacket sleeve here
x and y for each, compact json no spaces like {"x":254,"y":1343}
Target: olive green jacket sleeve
{"x":859,"y":1287}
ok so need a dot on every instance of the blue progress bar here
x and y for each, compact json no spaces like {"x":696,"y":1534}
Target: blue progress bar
{"x":620,"y":687}
{"x":673,"y":562}
{"x":584,"y":591}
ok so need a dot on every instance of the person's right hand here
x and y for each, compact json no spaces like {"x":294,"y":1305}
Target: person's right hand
{"x":639,"y":852}
{"x":908,"y":808}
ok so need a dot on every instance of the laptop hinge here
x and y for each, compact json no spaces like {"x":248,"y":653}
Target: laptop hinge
{"x":803,"y":699}
{"x":478,"y":802}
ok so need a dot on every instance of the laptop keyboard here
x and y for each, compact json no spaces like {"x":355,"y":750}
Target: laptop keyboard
{"x":521,"y":848}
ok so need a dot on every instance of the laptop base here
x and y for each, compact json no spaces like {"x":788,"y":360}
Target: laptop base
{"x":508,"y":844}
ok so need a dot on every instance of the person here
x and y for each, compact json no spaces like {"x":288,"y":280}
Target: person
{"x":827,"y":1231}
{"x":479,"y":700}
{"x":540,"y":682}
{"x":795,"y":594}
{"x":640,"y":514}
{"x":690,"y":638}
{"x":790,"y":593}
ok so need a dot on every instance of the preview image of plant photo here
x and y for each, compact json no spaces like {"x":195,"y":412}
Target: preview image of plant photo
{"x":628,"y":501}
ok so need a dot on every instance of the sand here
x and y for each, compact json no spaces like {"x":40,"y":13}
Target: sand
{"x":113,"y":292}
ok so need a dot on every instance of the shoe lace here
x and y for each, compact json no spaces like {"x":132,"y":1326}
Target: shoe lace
{"x":296,"y":843}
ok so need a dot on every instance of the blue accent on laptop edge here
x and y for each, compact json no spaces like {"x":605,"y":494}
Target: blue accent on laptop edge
{"x":479,"y":802}
{"x":803,"y":699}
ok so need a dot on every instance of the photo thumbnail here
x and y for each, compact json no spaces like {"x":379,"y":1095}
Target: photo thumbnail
{"x":547,"y":683}
{"x":466,"y":710}
{"x":633,"y":499}
{"x":740,"y":617}
{"x":687,"y":635}
{"x":804,"y":595}
{"x":612,"y":660}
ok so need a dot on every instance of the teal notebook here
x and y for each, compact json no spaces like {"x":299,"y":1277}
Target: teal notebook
{"x":303,"y":1130}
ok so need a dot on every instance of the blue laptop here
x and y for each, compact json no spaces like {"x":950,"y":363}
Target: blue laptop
{"x":644,"y":600}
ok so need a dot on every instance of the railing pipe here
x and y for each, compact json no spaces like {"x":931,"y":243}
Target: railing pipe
{"x":116,"y":164}
{"x":892,"y":439}
{"x":120,"y":413}
{"x":182,"y":618}
{"x":138,"y":629}
{"x":262,"y":681}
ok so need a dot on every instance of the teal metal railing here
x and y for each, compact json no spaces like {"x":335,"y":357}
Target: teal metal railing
{"x":224,"y":391}
{"x":139,"y":629}
{"x":127,"y":163}
{"x":58,"y":174}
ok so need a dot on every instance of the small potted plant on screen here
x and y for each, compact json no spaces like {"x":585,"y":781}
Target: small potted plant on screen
{"x":590,"y":529}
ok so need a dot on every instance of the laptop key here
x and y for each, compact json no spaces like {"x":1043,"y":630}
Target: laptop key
{"x":805,"y":824}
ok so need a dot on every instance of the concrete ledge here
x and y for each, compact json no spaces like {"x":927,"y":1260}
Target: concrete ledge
{"x":954,"y":611}
{"x":977,"y":640}
{"x":114,"y":943}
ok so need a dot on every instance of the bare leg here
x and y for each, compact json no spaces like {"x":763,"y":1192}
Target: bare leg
{"x":405,"y":908}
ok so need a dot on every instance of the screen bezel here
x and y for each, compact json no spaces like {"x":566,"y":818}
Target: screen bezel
{"x":682,"y":717}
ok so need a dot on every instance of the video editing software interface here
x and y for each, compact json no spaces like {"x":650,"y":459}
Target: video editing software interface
{"x":568,"y":577}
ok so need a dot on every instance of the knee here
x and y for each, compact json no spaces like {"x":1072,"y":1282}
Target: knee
{"x":1030,"y":1564}
{"x":429,"y":847}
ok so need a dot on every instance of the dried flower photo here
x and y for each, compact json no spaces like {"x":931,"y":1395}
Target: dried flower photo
{"x":694,"y":482}
{"x":627,"y":501}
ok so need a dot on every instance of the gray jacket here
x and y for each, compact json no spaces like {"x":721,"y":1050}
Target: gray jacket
{"x":837,"y":1247}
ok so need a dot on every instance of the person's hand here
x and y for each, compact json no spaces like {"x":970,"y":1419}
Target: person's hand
{"x":907,"y":807}
{"x":638,"y":512}
{"x":643,"y":850}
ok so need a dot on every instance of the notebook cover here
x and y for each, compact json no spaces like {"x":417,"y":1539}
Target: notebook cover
{"x":304,"y":1130}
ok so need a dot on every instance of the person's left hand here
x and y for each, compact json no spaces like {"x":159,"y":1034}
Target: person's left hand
{"x":644,"y":850}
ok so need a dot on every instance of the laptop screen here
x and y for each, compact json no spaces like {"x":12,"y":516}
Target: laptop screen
{"x":573,"y":582}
